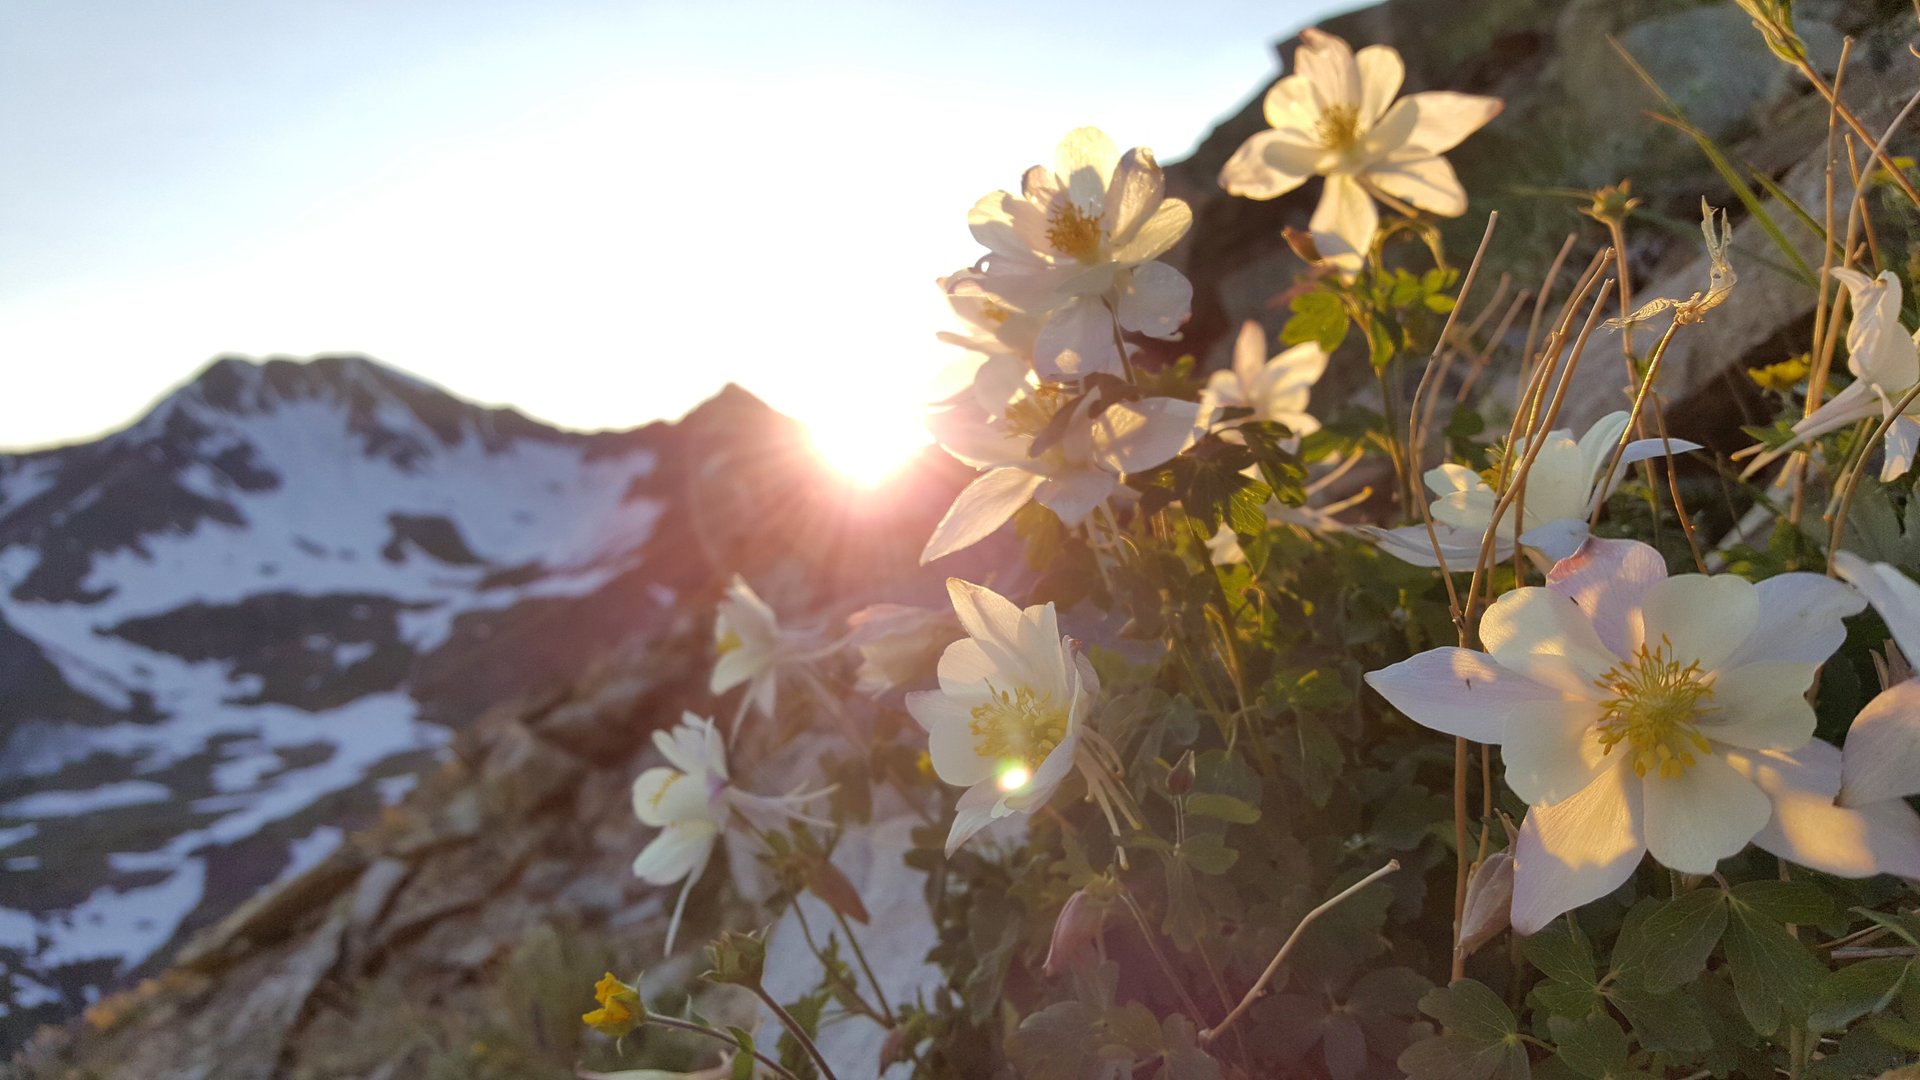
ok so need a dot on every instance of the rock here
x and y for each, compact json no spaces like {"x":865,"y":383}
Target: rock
{"x":523,"y":772}
{"x":271,"y":915}
{"x":606,"y":726}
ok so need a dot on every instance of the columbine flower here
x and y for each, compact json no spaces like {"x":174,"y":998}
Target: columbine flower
{"x":1561,"y":492}
{"x":995,"y":330}
{"x":1009,"y":721}
{"x":753,"y":648}
{"x":1882,"y":761}
{"x":691,"y":800}
{"x":897,"y":644}
{"x":1071,"y":477}
{"x":1885,"y":361}
{"x":1631,"y":709}
{"x":1336,"y":117}
{"x":1079,"y":243}
{"x":1275,"y":389}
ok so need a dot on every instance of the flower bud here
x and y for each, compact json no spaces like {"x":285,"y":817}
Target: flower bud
{"x":1074,"y":932}
{"x":1489,"y":904}
{"x":1302,"y":243}
{"x":620,"y":1011}
{"x":739,"y":959}
{"x":1180,"y":780}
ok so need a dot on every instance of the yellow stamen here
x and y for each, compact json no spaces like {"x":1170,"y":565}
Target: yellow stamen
{"x":1655,"y":707}
{"x":1018,"y":729}
{"x":1338,"y":127}
{"x":1073,"y":233}
{"x":726,"y":642}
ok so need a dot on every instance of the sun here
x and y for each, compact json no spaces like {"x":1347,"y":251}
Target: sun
{"x":866,"y":446}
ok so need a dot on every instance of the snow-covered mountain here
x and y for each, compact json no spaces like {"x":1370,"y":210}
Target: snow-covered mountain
{"x":232,"y":629}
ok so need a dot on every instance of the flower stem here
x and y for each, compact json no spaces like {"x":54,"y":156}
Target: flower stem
{"x":799,"y":1033}
{"x":879,"y":995}
{"x":1286,"y":947}
{"x":683,"y":1025}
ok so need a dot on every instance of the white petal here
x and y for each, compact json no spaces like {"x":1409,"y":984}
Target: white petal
{"x":1006,"y":224}
{"x":1040,"y":787}
{"x":1135,"y":194}
{"x":1703,"y":815}
{"x":972,"y":813}
{"x":1879,"y":350}
{"x":1557,"y":540}
{"x":1411,"y":544}
{"x":1443,"y":118}
{"x":1154,"y":300}
{"x":1576,"y":851}
{"x":966,"y":666}
{"x":1558,"y":482}
{"x":1084,"y":160}
{"x":1807,"y":828}
{"x":1249,"y":358}
{"x":1546,"y":637}
{"x":1762,"y":706}
{"x":662,"y":796}
{"x":1135,"y":435}
{"x":984,"y":506}
{"x":984,"y":614}
{"x":681,"y":850}
{"x":1428,"y":183}
{"x":1882,"y":754}
{"x":1381,"y":73}
{"x":1291,"y":103}
{"x":1800,"y":619}
{"x":1551,"y":751}
{"x":1457,"y":692}
{"x":1073,"y":495}
{"x":1893,"y":594}
{"x":1077,"y":340}
{"x":1697,"y":617}
{"x":1269,"y":164}
{"x":1345,"y":221}
{"x":1903,"y":438}
{"x":951,"y":744}
{"x":1327,"y":62}
{"x":735,"y":667}
{"x":1170,"y":222}
{"x":1637,"y":451}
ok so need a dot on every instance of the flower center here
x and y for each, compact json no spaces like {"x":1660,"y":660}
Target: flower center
{"x":1073,"y":233}
{"x":1034,"y":410}
{"x":1019,"y":726}
{"x":1338,"y":127}
{"x":1654,"y":708}
{"x":727,"y":641}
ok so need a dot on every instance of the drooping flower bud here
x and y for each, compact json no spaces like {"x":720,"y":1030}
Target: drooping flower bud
{"x":1489,"y":904}
{"x":1075,"y":931}
{"x":1180,"y":779}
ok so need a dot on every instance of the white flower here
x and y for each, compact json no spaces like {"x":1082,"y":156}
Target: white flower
{"x":1636,"y":712}
{"x":1336,"y":117}
{"x":897,"y":644}
{"x":1079,"y":243}
{"x":1885,"y":361}
{"x":1275,"y":389}
{"x":753,"y":647}
{"x":1883,"y":744}
{"x":1561,"y":491}
{"x":691,"y":801}
{"x":1071,"y":477}
{"x":995,"y":330}
{"x":1009,"y":721}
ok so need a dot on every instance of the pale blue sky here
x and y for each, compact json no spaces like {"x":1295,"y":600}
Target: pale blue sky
{"x":598,"y":212}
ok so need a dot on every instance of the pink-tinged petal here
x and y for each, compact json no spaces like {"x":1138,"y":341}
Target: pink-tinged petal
{"x":1762,"y":706}
{"x":1270,"y":164}
{"x":1154,"y":300}
{"x":1249,"y":360}
{"x":680,"y":851}
{"x":1893,"y":594}
{"x":1442,"y":119}
{"x":764,"y":694}
{"x":1800,"y":619}
{"x":1136,"y":193}
{"x":1546,"y":637}
{"x":1008,"y":226}
{"x":1551,"y":751}
{"x":984,"y":614}
{"x":1328,"y":64}
{"x":1457,"y":692}
{"x":1136,"y":435}
{"x":1882,"y":754}
{"x":1411,"y":544}
{"x":1077,"y":340}
{"x":1879,"y":349}
{"x":986,"y":504}
{"x":1576,"y":851}
{"x":1344,"y":223}
{"x":1169,"y":222}
{"x":1705,"y":814}
{"x":1608,"y":579}
{"x":1428,"y":183}
{"x":1697,"y":617}
{"x":1381,"y":73}
{"x":1072,"y":496}
{"x":1085,"y":160}
{"x":973,"y":812}
{"x":1903,"y":438}
{"x":1557,"y":540}
{"x":1809,"y":829}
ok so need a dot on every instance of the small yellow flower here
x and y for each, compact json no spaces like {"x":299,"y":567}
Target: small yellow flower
{"x":1782,"y":376}
{"x":620,"y":1008}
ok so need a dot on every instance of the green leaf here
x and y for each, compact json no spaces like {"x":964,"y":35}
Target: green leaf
{"x":1343,"y":1045}
{"x":1318,"y":317}
{"x":1223,"y":808}
{"x":1056,"y":1042}
{"x":1774,"y":976}
{"x":1857,"y":990}
{"x":1593,"y":1046}
{"x":1562,"y":954}
{"x":1670,"y":947}
{"x":1665,"y":1023}
{"x":1482,"y":1041}
{"x":743,"y":1062}
{"x":1208,"y":854}
{"x":1799,"y":902}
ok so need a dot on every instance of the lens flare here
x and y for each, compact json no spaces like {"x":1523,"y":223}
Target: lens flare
{"x":1013,"y":777}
